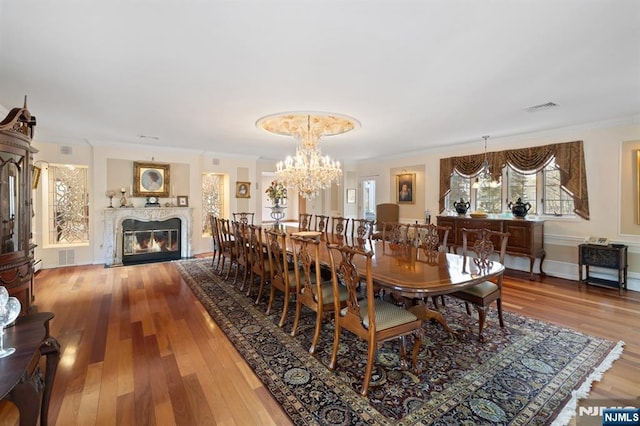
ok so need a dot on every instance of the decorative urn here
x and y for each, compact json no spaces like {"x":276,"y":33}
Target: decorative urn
{"x":461,"y":206}
{"x":519,"y":209}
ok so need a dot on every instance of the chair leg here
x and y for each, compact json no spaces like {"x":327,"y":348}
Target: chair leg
{"x":499,"y":303}
{"x":260,"y":289}
{"x":272,"y":294}
{"x":482,"y":315}
{"x":245,"y":273}
{"x":251,"y":279}
{"x":336,"y":344}
{"x":316,"y":334}
{"x":466,"y":304}
{"x":296,"y":320}
{"x":285,"y":307}
{"x":418,"y":334}
{"x":403,"y":348}
{"x":371,"y":355}
{"x":229,"y":270}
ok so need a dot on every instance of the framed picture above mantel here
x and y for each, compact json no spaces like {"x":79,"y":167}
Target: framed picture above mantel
{"x":150,"y":179}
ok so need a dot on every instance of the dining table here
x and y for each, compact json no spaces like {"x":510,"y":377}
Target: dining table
{"x":408,"y":271}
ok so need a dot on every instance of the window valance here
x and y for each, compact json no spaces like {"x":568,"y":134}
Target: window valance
{"x":569,"y":157}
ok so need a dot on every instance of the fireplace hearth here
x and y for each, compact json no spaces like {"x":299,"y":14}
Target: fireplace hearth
{"x":153,"y":220}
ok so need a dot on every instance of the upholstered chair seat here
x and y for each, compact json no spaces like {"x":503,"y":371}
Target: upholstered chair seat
{"x":387,"y":315}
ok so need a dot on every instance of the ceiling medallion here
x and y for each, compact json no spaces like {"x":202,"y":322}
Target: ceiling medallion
{"x":308,"y":171}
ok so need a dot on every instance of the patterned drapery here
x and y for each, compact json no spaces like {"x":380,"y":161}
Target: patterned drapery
{"x":569,"y":158}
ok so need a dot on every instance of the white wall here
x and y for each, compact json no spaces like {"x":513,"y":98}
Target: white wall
{"x":101,"y":179}
{"x":603,"y":143}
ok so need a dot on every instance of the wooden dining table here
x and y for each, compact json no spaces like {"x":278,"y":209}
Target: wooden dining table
{"x":407,"y":271}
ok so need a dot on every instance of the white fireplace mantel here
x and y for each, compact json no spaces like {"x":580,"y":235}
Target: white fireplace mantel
{"x":113,"y":218}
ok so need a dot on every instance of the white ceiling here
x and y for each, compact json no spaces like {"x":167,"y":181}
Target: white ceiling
{"x":416,"y":74}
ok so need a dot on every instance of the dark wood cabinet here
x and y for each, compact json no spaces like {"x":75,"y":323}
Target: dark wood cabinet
{"x":526,"y":239}
{"x":16,"y":247}
{"x":612,"y":256}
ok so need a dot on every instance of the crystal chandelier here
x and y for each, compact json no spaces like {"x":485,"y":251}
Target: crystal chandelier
{"x":308,"y":171}
{"x":485,"y":173}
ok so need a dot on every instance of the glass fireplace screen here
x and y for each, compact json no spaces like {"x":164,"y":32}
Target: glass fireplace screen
{"x":150,"y":241}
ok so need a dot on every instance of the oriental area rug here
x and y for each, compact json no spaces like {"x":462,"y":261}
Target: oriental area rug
{"x":529,"y":372}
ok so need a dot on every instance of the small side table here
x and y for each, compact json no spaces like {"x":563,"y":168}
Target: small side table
{"x":21,"y":379}
{"x":613,"y":256}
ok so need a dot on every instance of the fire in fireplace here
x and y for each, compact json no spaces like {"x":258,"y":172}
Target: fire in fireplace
{"x":151,"y":241}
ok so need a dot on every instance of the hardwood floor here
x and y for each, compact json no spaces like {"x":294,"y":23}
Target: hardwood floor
{"x":139,"y":349}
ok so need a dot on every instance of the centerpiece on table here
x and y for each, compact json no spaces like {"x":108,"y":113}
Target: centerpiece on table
{"x":277,"y":193}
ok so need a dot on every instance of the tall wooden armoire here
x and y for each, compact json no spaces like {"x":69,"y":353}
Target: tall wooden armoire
{"x":16,"y":169}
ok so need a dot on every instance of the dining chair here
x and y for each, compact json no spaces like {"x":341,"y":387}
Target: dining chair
{"x":215,"y":236}
{"x":245,"y":218}
{"x":372,"y":319}
{"x":339,"y":226}
{"x":311,"y":290}
{"x":386,"y":214}
{"x":304,"y":221}
{"x":282,"y":278}
{"x":321,"y":224}
{"x":361,"y":231}
{"x":228,"y":246}
{"x":242,"y":253}
{"x":482,"y":295}
{"x":396,"y":235}
{"x":430,"y":240}
{"x":257,"y":259}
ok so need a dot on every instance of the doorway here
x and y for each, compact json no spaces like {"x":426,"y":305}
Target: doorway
{"x":368,"y":202}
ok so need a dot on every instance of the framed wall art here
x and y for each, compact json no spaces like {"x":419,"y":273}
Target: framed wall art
{"x":405,"y":185}
{"x":351,"y":196}
{"x":150,"y":179}
{"x":182,"y":200}
{"x":243,"y":189}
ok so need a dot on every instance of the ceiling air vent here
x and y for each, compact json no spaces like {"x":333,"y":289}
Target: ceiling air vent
{"x":541,"y":107}
{"x":66,"y":150}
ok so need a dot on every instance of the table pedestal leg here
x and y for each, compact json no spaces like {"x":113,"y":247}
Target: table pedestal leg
{"x":422,"y":312}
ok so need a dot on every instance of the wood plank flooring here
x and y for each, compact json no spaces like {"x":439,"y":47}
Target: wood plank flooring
{"x":139,"y":349}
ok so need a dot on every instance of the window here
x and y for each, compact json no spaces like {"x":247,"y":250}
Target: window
{"x":212,"y":199}
{"x":489,"y":195}
{"x":460,"y":190}
{"x":522,"y":185}
{"x":68,"y":204}
{"x":555,"y":199}
{"x":542,"y":190}
{"x":547,"y":163}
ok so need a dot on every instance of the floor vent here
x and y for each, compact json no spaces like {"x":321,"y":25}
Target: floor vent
{"x":66,"y":257}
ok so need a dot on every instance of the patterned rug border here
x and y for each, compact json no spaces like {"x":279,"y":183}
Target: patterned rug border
{"x":360,"y":407}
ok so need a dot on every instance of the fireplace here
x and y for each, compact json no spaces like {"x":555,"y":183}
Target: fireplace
{"x":151,"y":241}
{"x":174,"y":223}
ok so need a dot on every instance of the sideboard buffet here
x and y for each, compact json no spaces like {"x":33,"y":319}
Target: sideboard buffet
{"x":526,"y":239}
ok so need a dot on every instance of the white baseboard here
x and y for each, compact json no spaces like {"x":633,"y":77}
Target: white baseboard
{"x":569,"y":271}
